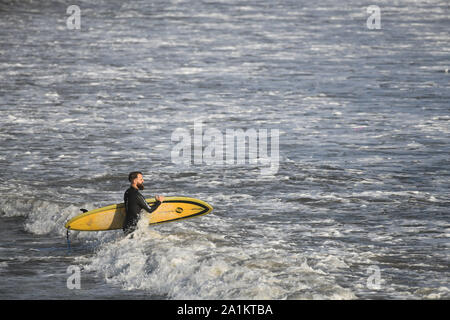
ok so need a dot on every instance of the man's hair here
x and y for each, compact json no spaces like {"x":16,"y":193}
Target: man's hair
{"x":133,"y":175}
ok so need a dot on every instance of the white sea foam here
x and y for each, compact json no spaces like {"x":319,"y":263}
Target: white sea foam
{"x":183,"y":263}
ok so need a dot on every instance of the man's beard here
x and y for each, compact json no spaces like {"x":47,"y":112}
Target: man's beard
{"x":140,"y":186}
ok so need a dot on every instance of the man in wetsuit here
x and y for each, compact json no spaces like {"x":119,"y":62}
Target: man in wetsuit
{"x":135,"y":201}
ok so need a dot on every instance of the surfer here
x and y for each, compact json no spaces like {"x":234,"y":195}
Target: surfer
{"x":135,"y":202}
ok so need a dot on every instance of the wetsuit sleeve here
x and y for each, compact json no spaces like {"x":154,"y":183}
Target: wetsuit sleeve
{"x":144,"y":205}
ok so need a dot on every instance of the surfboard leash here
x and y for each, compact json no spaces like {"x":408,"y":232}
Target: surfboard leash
{"x":68,"y":240}
{"x":68,"y":232}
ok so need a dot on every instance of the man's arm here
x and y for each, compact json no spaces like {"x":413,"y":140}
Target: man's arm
{"x":144,"y":205}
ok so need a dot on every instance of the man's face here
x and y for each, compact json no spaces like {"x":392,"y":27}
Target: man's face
{"x":140,"y":182}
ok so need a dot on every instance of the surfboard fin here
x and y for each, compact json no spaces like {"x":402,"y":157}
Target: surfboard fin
{"x":84,"y":210}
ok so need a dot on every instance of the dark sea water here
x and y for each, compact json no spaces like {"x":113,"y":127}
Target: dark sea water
{"x":357,"y":206}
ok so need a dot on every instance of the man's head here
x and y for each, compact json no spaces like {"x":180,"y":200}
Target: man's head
{"x":136,"y":180}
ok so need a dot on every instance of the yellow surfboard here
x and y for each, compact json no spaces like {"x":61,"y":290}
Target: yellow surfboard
{"x":112,"y":217}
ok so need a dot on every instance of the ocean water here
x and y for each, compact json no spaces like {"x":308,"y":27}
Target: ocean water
{"x":357,"y":208}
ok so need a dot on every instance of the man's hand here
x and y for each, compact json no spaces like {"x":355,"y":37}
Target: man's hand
{"x":159,"y":198}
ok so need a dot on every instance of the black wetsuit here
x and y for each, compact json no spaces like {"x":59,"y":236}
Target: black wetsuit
{"x":134,"y":202}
